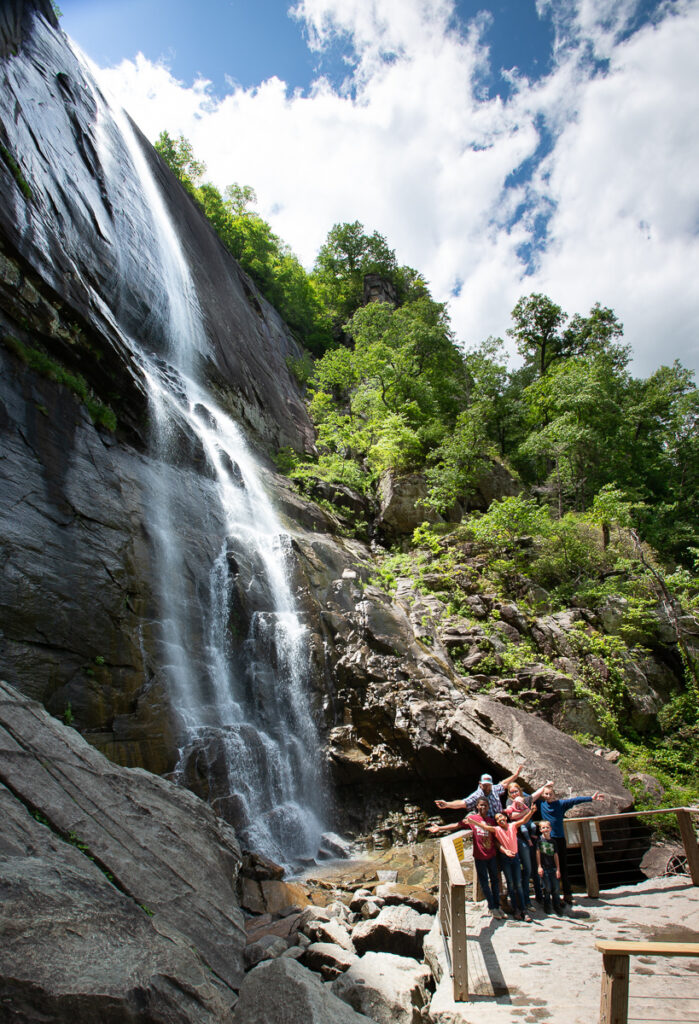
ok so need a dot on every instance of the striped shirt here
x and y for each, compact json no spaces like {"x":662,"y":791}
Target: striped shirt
{"x":494,"y":798}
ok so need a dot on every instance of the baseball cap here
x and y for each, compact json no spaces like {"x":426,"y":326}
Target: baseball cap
{"x":486,"y":778}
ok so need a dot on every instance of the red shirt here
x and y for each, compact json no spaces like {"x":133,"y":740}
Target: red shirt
{"x":484,"y":847}
{"x":507,"y":837}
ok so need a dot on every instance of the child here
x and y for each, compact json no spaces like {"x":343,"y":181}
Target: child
{"x":506,"y":834}
{"x":549,"y":869}
{"x":553,"y":811}
{"x":484,"y":853}
{"x":518,"y":804}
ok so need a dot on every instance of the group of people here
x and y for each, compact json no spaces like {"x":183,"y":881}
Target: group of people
{"x":506,"y":838}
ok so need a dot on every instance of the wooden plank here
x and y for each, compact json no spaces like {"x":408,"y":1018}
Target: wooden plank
{"x":614,"y":998}
{"x":689,"y":840}
{"x":453,"y":868}
{"x":624,"y":948}
{"x":588,"y":856}
{"x":459,"y":960}
{"x":443,"y":893}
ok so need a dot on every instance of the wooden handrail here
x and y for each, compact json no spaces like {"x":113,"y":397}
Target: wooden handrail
{"x":635,"y":814}
{"x":452,"y":914}
{"x":648,"y":948}
{"x":614,"y":999}
{"x":687,"y":832}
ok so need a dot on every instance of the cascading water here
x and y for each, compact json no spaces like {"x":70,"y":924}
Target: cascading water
{"x":241,"y":699}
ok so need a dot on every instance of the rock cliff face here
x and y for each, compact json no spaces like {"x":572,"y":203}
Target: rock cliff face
{"x":79,"y":281}
{"x":393,"y":680}
{"x":118,"y":888}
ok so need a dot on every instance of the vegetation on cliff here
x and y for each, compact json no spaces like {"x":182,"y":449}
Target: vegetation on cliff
{"x":609,"y":461}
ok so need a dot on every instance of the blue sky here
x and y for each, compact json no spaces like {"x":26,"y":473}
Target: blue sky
{"x":250,"y":41}
{"x":518,"y":146}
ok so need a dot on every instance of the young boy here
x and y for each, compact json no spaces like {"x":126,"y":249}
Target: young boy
{"x":549,"y":869}
{"x":553,"y":810}
{"x":484,"y":853}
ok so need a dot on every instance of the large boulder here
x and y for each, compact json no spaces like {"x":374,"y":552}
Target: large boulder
{"x":158,"y":864}
{"x":400,"y":510}
{"x":390,"y":989}
{"x":76,"y":949}
{"x":397,"y":929}
{"x":285,"y":992}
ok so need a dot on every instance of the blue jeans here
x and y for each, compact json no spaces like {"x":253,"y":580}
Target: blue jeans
{"x":525,"y":862}
{"x":487,"y":872}
{"x":513,"y":875}
{"x":551,"y":889}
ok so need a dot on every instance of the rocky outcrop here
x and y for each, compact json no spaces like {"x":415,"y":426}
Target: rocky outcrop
{"x":118,"y":887}
{"x":284,"y":991}
{"x":402,"y":497}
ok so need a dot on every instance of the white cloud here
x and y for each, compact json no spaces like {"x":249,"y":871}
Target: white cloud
{"x":411,"y":148}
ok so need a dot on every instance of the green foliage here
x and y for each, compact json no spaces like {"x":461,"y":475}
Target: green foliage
{"x":387,"y":402}
{"x":346,"y":256}
{"x":424,"y":537}
{"x":271,"y":264}
{"x":301,"y":368}
{"x":178,"y":154}
{"x":16,"y":171}
{"x":68,"y":716}
{"x":100,"y":413}
{"x":460,"y":460}
{"x":509,"y":519}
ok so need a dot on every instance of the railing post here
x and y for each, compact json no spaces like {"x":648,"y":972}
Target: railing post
{"x":689,"y":840}
{"x":588,"y":858}
{"x":614,"y":1003}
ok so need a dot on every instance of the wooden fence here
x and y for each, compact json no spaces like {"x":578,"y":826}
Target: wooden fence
{"x":614,"y":1003}
{"x":452,"y":912}
{"x":587,"y":833}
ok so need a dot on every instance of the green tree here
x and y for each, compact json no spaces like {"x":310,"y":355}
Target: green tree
{"x":178,"y":154}
{"x":610,"y":507}
{"x":576,"y":434}
{"x":537,"y":330}
{"x":346,"y":256}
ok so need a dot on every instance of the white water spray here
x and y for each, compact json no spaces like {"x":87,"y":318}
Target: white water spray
{"x":242,"y":699}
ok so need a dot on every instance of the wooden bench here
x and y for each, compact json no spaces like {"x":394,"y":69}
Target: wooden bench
{"x":614,"y":1004}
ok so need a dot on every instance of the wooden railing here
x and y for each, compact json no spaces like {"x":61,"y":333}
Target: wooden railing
{"x":452,"y":912}
{"x":587,"y":834}
{"x":614,"y":1004}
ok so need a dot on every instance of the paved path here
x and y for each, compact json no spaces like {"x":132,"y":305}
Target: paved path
{"x":550,"y":972}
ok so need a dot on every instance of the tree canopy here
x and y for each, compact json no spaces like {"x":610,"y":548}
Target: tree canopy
{"x":389,"y":387}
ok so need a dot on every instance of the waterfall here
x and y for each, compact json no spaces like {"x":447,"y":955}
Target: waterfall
{"x":235,"y":656}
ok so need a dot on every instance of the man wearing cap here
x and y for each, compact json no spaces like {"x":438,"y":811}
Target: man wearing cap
{"x":493,"y":793}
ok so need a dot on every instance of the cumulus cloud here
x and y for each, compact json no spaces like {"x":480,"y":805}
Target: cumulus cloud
{"x":580,"y":184}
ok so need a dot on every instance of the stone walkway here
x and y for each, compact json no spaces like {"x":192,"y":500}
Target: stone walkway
{"x":549,"y":971}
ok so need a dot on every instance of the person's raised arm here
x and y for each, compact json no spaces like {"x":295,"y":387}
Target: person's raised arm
{"x":537,"y":793}
{"x":450,"y":805}
{"x":481,"y":824}
{"x":511,"y":778}
{"x":437,"y":829}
